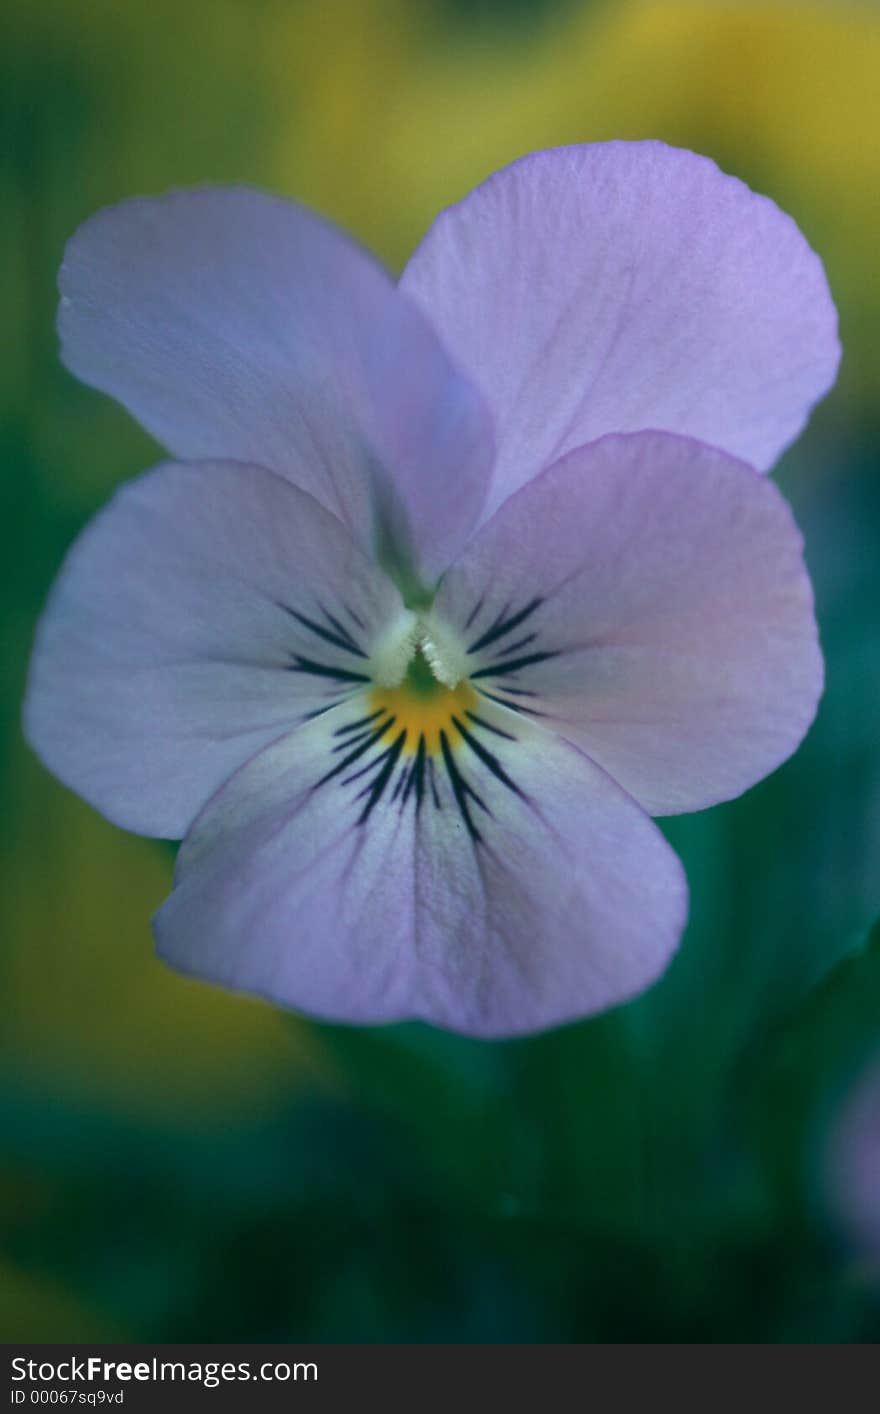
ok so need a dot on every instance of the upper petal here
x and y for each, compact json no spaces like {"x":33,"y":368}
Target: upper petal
{"x":627,"y":286}
{"x":498,"y":887}
{"x":237,"y":325}
{"x":201,"y":614}
{"x":648,"y":596}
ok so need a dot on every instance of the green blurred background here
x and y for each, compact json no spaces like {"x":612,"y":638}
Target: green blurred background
{"x":181,"y":1164}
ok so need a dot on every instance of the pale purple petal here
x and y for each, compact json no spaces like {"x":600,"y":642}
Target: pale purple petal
{"x":854,"y":1166}
{"x":201,"y":615}
{"x":647,"y":597}
{"x":239,"y":326}
{"x":513,"y":890}
{"x":622,"y":287}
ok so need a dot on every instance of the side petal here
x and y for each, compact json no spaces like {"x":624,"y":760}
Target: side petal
{"x":236,"y":325}
{"x":647,"y":596}
{"x":502,"y":886}
{"x":625,"y":286}
{"x":203,"y":613}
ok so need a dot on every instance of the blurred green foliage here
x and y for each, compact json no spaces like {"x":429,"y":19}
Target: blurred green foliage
{"x":182,"y":1164}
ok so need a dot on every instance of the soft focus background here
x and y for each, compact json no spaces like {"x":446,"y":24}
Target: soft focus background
{"x":180,"y":1164}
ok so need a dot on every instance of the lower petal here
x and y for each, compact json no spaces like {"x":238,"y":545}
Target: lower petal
{"x":496,"y":884}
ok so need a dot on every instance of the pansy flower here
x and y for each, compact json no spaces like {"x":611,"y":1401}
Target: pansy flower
{"x":453,"y":582}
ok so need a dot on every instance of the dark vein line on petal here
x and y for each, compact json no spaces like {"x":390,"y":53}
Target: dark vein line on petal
{"x":488,"y":758}
{"x":322,"y":670}
{"x":438,"y":804}
{"x":487,"y":726}
{"x":359,"y":736}
{"x":338,"y":640}
{"x":401,"y":782}
{"x":378,"y":787}
{"x":361,"y":722}
{"x":461,"y":790}
{"x":365,"y":771}
{"x":502,"y":625}
{"x":505,"y":652}
{"x":416,"y":776}
{"x":511,"y":705}
{"x":342,"y":631}
{"x":503,"y":669}
{"x":317,"y":712}
{"x":499,"y":618}
{"x":354,"y":755}
{"x":475,"y":610}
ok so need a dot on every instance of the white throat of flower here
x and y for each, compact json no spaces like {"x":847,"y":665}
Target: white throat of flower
{"x":414,"y":633}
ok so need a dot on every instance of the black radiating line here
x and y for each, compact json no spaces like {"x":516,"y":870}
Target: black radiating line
{"x":377,"y":789}
{"x":487,"y":726}
{"x":337,"y":639}
{"x":488,"y":758}
{"x":317,"y":712}
{"x":361,"y":722}
{"x":513,"y":706}
{"x":460,"y":789}
{"x":359,"y":736}
{"x":438,"y":804}
{"x":416,"y":776}
{"x":364,"y":771}
{"x":499,"y":617}
{"x":401,"y":782}
{"x":321,"y":670}
{"x":502,"y":669}
{"x":515,"y":647}
{"x":358,"y":751}
{"x":474,"y":611}
{"x":341,"y":629}
{"x":498,"y":630}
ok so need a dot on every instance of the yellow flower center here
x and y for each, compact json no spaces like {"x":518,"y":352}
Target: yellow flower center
{"x":423,"y":707}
